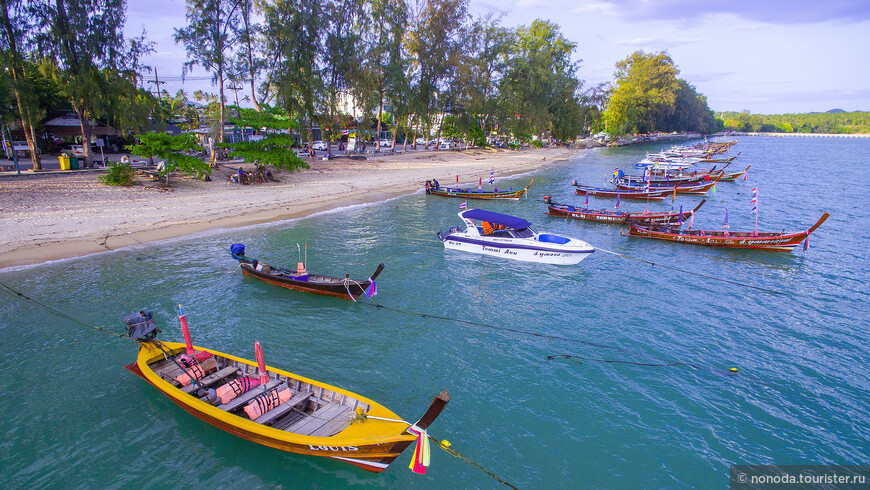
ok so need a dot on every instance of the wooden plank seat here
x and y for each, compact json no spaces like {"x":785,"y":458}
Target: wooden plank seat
{"x":329,"y":413}
{"x":283,"y":408}
{"x":246,"y":397}
{"x":211,"y":378}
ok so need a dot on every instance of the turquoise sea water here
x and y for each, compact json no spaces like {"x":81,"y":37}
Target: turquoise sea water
{"x":74,"y":417}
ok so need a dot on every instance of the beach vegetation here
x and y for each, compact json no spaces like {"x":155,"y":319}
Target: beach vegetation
{"x":540,"y":83}
{"x":206,"y":38}
{"x":118,"y":174}
{"x":17,"y":22}
{"x":172,"y":150}
{"x":294,"y":33}
{"x":276,"y":148}
{"x":95,"y":72}
{"x":831,"y":122}
{"x":648,"y":97}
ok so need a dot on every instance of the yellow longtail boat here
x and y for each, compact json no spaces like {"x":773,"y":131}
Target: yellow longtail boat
{"x":291,"y":412}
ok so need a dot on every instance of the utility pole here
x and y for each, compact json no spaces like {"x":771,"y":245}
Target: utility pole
{"x":157,"y":82}
{"x":235,"y":88}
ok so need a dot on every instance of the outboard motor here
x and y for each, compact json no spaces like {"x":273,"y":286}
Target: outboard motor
{"x":237,"y":249}
{"x":141,"y":326}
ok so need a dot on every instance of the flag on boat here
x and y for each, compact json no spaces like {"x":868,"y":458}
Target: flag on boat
{"x":480,"y":183}
{"x":725,"y":225}
{"x":754,"y":201}
{"x":806,"y":243}
{"x":463,"y":205}
{"x":457,"y":180}
{"x":491,"y":176}
{"x":587,"y":200}
{"x":617,"y":200}
{"x":371,"y":290}
{"x":692,"y":220}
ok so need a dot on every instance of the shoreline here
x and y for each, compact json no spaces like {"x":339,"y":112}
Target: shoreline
{"x":46,"y":220}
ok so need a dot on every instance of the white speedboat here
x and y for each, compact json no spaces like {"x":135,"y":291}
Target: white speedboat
{"x":506,"y":236}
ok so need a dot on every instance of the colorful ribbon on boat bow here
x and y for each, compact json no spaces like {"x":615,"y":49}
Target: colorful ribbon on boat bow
{"x":420,"y":461}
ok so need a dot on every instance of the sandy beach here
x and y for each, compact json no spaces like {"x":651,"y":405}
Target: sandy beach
{"x":51,"y":216}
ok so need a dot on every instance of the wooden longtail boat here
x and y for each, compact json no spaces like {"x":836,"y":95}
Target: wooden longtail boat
{"x":316,"y":419}
{"x":729,"y":239}
{"x":667,"y":178}
{"x":681,"y":188}
{"x":672,"y":179}
{"x":471,"y":194}
{"x":301,"y":280}
{"x":732,"y":176}
{"x":652,"y":195}
{"x":712,"y":159}
{"x":615,"y":216}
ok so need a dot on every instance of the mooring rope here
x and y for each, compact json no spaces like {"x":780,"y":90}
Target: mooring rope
{"x":688,"y":272}
{"x":61,"y":314}
{"x":445,"y":445}
{"x":487,"y":325}
{"x":548,"y":336}
{"x":573,"y":358}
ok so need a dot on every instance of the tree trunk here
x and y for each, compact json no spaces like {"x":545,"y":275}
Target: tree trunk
{"x":380,"y":115}
{"x":27,"y":127}
{"x":17,"y":68}
{"x":85,"y":123}
{"x":221,"y":118}
{"x":250,"y":60}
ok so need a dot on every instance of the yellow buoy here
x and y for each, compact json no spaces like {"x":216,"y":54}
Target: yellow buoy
{"x":733,"y":370}
{"x":445,"y":443}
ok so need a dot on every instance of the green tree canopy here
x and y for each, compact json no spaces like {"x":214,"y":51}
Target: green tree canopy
{"x":171,"y":148}
{"x":276,"y":148}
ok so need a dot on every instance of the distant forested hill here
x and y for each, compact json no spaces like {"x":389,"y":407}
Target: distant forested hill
{"x":831,"y":122}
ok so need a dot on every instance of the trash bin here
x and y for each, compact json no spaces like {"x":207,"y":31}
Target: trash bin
{"x":73,"y":163}
{"x":64,"y":162}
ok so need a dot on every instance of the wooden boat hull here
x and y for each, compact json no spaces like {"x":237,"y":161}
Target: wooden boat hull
{"x":607,"y":216}
{"x":370,"y":444}
{"x":680,"y":188}
{"x":653,"y":195}
{"x":734,"y":175}
{"x":316,"y":284}
{"x":785,"y":242}
{"x":466,"y":194}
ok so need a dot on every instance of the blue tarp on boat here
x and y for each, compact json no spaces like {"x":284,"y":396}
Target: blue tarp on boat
{"x":496,"y":218}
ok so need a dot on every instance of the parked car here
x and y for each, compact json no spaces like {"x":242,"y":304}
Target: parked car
{"x":447,"y":145}
{"x":385,"y":143}
{"x":320,"y":145}
{"x":420,"y":141}
{"x":194,"y":153}
{"x":77,"y":151}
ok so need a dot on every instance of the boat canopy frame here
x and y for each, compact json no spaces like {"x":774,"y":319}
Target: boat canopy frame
{"x":496,"y":218}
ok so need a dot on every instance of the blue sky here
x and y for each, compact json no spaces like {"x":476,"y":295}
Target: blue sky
{"x":767,"y":56}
